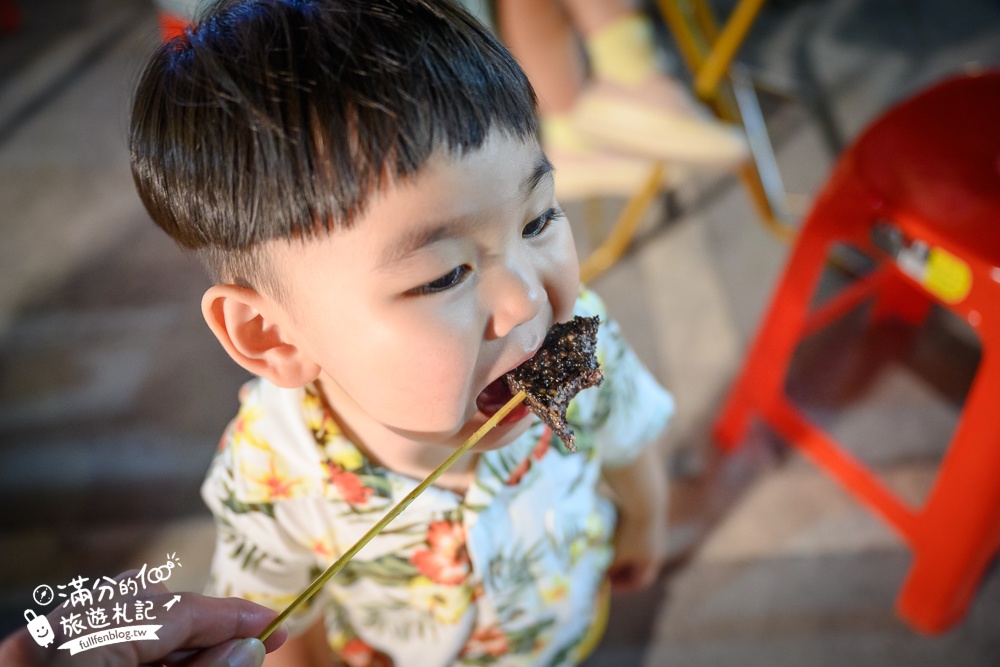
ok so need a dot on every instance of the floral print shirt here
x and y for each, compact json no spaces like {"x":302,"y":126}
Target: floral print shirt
{"x":506,"y":575}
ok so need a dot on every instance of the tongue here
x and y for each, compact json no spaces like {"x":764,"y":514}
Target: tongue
{"x":494,"y":397}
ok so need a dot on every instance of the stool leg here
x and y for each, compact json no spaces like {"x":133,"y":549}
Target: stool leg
{"x":763,"y":375}
{"x":960,"y":524}
{"x":10,"y":16}
{"x":172,"y":25}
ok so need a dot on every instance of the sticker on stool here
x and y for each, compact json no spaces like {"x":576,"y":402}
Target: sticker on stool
{"x":947,"y":276}
{"x":943,"y":274}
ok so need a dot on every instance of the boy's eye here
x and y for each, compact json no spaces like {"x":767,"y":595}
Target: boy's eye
{"x":445,"y":282}
{"x":539,"y":224}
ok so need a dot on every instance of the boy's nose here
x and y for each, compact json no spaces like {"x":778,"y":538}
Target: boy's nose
{"x":518,"y":296}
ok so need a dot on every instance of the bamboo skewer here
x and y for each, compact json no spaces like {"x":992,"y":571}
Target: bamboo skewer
{"x":321,"y":580}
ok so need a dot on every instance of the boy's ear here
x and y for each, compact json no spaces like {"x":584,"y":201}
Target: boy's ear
{"x":244,"y":322}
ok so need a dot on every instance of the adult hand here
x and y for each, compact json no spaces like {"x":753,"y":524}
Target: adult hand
{"x":198,"y":631}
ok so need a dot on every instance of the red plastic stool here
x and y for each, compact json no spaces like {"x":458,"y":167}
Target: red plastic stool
{"x":919,"y":192}
{"x":10,"y":16}
{"x":172,"y":25}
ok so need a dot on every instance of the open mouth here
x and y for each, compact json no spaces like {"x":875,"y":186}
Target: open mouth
{"x":494,"y":397}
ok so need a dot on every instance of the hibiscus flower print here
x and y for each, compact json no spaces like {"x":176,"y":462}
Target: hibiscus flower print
{"x":243,"y":429}
{"x":356,"y":653}
{"x":317,"y":418}
{"x":445,"y":560}
{"x":344,"y":454}
{"x":312,"y":410}
{"x":325,"y":546}
{"x":490,"y":641}
{"x":557,"y":589}
{"x":446,"y":603}
{"x":348,"y":485}
{"x":537,"y":454}
{"x":273,"y":482}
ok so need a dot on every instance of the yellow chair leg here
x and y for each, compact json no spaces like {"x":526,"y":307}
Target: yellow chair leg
{"x":708,"y":53}
{"x":706,"y":83}
{"x":621,"y":234}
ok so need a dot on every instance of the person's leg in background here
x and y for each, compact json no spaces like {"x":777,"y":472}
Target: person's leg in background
{"x":543,"y":38}
{"x":621,"y":107}
{"x":631,"y":105}
{"x":547,"y":45}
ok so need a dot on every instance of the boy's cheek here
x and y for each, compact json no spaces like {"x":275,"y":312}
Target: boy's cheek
{"x":568,"y":290}
{"x":433,"y":391}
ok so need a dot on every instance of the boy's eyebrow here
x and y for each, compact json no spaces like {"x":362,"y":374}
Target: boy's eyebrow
{"x":418,"y":238}
{"x":542,"y":167}
{"x":424,"y":236}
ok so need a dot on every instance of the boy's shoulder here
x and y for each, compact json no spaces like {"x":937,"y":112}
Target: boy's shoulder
{"x":630,"y":407}
{"x":589,"y":304}
{"x":611,"y":344}
{"x":276,"y":446}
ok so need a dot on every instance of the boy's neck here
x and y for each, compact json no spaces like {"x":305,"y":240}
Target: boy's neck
{"x":400,"y":454}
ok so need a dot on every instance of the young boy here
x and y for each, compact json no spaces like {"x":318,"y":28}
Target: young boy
{"x":364,"y":182}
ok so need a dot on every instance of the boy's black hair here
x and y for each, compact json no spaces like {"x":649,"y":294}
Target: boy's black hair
{"x":273,"y":119}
